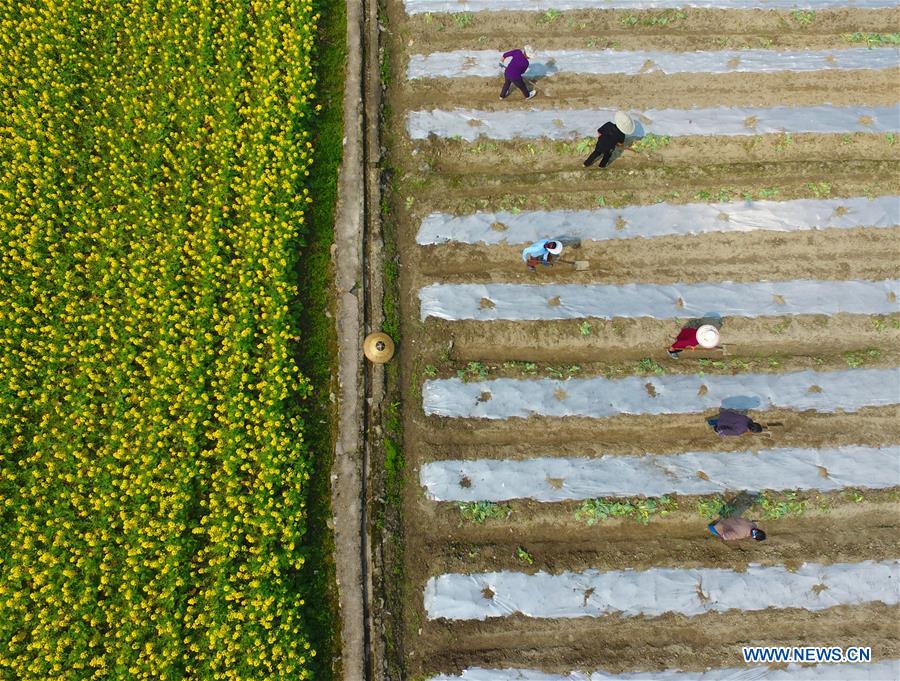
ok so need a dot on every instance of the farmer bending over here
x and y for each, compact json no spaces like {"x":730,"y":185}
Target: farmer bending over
{"x":732,"y":529}
{"x":730,"y":422}
{"x":544,"y":252}
{"x":609,"y":136}
{"x":516,"y":68}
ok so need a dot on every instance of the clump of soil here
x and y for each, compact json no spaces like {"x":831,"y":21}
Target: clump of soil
{"x":553,"y":302}
{"x":560,"y":394}
{"x":498,"y":227}
{"x":465,"y":482}
{"x":487,"y":304}
{"x":556,"y":483}
{"x":487,"y":593}
{"x":587,"y":594}
{"x":814,"y":389}
{"x":651,"y":390}
{"x":778,"y":299}
{"x":485,"y":396}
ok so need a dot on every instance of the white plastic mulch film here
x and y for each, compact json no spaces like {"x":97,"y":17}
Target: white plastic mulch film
{"x":488,"y":302}
{"x":654,"y":592}
{"x":446,"y":6}
{"x":503,"y":398}
{"x":549,"y":479}
{"x":560,"y":124}
{"x":485,"y":63}
{"x":661,"y":219}
{"x":883,"y":670}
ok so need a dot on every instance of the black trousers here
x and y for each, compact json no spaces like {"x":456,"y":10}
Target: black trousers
{"x":603,"y":148}
{"x":518,"y":82}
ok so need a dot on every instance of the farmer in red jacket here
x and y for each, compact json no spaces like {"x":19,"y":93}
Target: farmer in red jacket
{"x":687,"y":338}
{"x":516,"y":68}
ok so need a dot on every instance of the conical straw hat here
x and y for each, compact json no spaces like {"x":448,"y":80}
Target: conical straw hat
{"x":378,"y":347}
{"x":624,"y":122}
{"x":708,"y":336}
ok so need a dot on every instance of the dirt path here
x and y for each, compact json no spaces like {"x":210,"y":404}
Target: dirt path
{"x":353,"y":292}
{"x":619,"y":645}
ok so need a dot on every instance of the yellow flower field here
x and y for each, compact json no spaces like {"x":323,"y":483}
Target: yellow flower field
{"x":153,"y":473}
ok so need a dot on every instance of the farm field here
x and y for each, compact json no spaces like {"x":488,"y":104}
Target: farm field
{"x":162,"y":460}
{"x":558,"y":469}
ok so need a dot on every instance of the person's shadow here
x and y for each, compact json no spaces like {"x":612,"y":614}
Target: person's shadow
{"x":536,"y":71}
{"x":739,"y":504}
{"x":711,"y":318}
{"x":741,"y":403}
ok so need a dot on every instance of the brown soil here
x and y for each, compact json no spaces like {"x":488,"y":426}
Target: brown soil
{"x":739,"y":257}
{"x":620,"y":340}
{"x":620,"y":645}
{"x":499,"y":158}
{"x":661,"y":91}
{"x":460,"y":177}
{"x":634,"y":181}
{"x":685,"y":527}
{"x":662,"y":433}
{"x":700,"y":29}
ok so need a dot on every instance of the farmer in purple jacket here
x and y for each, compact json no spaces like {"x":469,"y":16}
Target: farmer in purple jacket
{"x":516,"y":68}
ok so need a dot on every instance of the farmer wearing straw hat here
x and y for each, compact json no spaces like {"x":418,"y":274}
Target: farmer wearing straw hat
{"x":690,"y":337}
{"x":516,"y":68}
{"x":609,"y":136}
{"x":544,"y":252}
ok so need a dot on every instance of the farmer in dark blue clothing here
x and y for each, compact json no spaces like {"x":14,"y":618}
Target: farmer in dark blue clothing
{"x":516,"y":68}
{"x":609,"y":136}
{"x":730,"y":423}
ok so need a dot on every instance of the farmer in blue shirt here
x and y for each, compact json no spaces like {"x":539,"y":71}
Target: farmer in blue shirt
{"x":544,"y":252}
{"x":516,"y":68}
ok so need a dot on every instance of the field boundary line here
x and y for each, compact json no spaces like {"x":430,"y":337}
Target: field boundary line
{"x":722,"y":121}
{"x":483,"y":63}
{"x":548,"y":302}
{"x":848,"y":390}
{"x":456,"y":6}
{"x":657,"y":591}
{"x":660,"y":219}
{"x":551,"y":479}
{"x":875,"y":671}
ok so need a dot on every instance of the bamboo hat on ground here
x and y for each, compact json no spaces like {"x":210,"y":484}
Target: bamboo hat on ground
{"x":378,"y":347}
{"x":624,"y":122}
